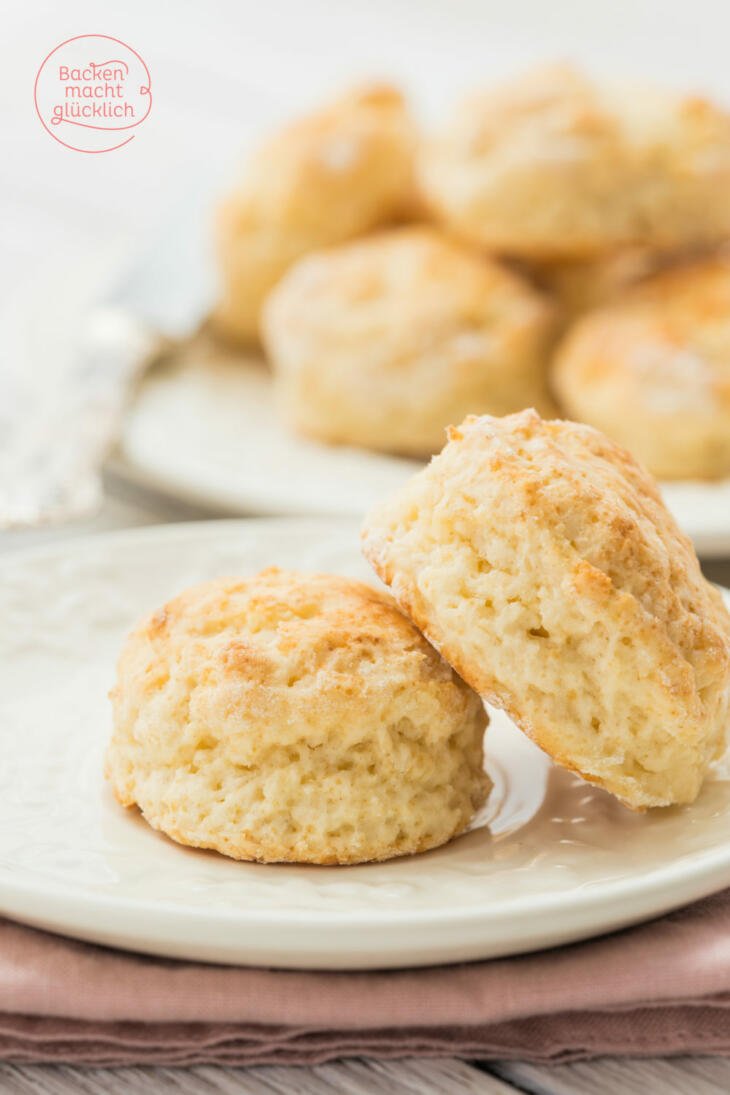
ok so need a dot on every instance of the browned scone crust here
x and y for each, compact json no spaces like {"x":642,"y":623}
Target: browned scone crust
{"x":652,"y":370}
{"x":291,"y":717}
{"x":539,"y":558}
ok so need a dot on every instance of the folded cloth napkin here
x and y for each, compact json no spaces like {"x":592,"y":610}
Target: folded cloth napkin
{"x":661,"y":988}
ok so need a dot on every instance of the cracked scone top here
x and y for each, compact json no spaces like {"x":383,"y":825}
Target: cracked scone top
{"x":539,"y":558}
{"x":291,"y":717}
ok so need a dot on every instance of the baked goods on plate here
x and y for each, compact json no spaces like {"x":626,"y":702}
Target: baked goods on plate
{"x":652,"y":370}
{"x":292,"y":717}
{"x":385,"y":341}
{"x":539,"y":559}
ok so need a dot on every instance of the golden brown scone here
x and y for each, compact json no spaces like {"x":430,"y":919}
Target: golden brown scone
{"x":555,"y":166}
{"x":582,"y":285}
{"x":653,"y":371}
{"x":539,"y":558}
{"x":385,"y":341}
{"x":297,"y":718}
{"x":329,"y":177}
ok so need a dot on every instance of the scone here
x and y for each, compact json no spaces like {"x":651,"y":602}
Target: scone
{"x":653,"y":371}
{"x":385,"y":341}
{"x":553,"y":165}
{"x":328,"y":177}
{"x":539,"y":558}
{"x":291,"y":717}
{"x":582,"y":285}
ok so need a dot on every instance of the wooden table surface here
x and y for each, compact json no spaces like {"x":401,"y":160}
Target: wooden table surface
{"x":221,"y":73}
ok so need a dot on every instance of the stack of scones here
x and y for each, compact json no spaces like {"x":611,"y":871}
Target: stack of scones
{"x":311,"y":718}
{"x":558,"y":245}
{"x":557,"y":248}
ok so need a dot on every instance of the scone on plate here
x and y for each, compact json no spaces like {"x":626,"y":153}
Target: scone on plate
{"x":652,"y":370}
{"x":554,"y":165}
{"x":582,"y":285}
{"x":291,"y":717}
{"x":540,"y":560}
{"x":328,"y":177}
{"x":384,"y":341}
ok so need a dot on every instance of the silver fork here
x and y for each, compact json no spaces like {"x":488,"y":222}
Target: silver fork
{"x":55,"y":434}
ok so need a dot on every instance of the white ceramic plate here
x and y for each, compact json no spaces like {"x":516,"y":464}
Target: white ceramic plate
{"x":206,"y":430}
{"x":549,"y":861}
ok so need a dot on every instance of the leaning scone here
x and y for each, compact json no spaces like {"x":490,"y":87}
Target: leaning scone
{"x":652,"y":370}
{"x":384,"y":341}
{"x":333,"y":175}
{"x":539,"y":558}
{"x":290,"y":717}
{"x":554,"y":165}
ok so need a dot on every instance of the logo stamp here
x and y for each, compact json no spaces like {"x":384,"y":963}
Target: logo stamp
{"x":92,"y":92}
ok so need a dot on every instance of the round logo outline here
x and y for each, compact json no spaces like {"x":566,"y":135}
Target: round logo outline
{"x":110,"y":129}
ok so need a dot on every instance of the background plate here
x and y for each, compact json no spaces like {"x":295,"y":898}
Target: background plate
{"x":550,"y":859}
{"x":204,"y":428}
